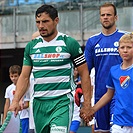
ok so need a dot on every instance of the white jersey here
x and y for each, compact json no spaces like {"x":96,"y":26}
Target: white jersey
{"x":10,"y":91}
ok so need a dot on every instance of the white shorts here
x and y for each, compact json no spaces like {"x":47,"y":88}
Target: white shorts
{"x":121,"y":129}
{"x":31,"y":118}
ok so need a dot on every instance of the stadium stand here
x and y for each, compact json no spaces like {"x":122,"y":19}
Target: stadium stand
{"x":79,"y":18}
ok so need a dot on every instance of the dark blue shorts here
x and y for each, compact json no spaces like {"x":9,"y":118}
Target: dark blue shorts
{"x":25,"y":125}
{"x":74,"y":126}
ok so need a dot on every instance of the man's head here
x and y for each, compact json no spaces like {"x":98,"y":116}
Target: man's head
{"x":14,"y":73}
{"x":108,"y":15}
{"x":46,"y":21}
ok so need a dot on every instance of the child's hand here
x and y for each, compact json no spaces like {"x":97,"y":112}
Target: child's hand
{"x":21,"y":104}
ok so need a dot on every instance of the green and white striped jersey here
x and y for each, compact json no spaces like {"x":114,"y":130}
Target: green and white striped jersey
{"x":52,"y":64}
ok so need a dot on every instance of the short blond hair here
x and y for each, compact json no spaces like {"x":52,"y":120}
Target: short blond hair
{"x":126,"y":38}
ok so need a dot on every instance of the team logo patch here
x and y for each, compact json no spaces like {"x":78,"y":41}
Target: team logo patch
{"x":116,"y":44}
{"x":58,"y":49}
{"x":124,"y":81}
{"x":13,"y":92}
{"x":97,"y":46}
{"x":38,"y":51}
{"x":58,"y":129}
{"x":80,"y":51}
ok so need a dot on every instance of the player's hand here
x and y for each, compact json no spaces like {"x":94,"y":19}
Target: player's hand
{"x":84,"y":111}
{"x":14,"y":107}
{"x":90,"y":114}
{"x":77,"y":96}
{"x":87,"y":116}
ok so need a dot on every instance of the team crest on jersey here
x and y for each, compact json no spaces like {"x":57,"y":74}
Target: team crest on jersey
{"x":124,"y":81}
{"x":13,"y":92}
{"x":116,"y":44}
{"x":80,"y":51}
{"x":58,"y":49}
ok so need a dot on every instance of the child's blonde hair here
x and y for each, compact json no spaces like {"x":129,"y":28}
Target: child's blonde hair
{"x":127,"y":38}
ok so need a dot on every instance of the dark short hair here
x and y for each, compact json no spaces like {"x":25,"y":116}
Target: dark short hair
{"x":109,"y":4}
{"x":15,"y":69}
{"x":48,"y":9}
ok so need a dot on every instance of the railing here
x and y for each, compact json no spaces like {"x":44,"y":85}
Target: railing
{"x":7,"y":5}
{"x":82,"y":17}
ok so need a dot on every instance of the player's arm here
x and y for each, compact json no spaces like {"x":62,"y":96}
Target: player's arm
{"x":22,"y":100}
{"x":86,"y":84}
{"x":102,"y":102}
{"x":6,"y":107}
{"x":79,"y":61}
{"x":26,"y":99}
{"x":22,"y":84}
{"x":21,"y":88}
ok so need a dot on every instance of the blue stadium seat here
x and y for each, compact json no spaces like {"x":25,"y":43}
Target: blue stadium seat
{"x":12,"y":2}
{"x":48,"y":1}
{"x":29,"y":2}
{"x":26,"y":2}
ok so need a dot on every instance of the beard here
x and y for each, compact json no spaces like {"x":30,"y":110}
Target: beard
{"x":108,"y":26}
{"x":48,"y":34}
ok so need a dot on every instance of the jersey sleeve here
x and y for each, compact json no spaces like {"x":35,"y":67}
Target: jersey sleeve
{"x":27,"y":59}
{"x":6,"y":93}
{"x":89,"y":55}
{"x":76,"y":52}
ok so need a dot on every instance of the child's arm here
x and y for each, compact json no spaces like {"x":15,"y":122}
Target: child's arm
{"x":6,"y":107}
{"x":102,"y":102}
{"x":25,"y":103}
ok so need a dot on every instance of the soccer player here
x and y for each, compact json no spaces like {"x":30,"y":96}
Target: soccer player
{"x":101,"y":52}
{"x":52,"y":57}
{"x":120,"y":83}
